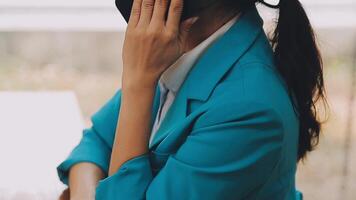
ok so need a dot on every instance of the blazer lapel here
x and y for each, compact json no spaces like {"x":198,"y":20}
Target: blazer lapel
{"x":176,"y":113}
{"x":155,"y":106}
{"x":210,"y":68}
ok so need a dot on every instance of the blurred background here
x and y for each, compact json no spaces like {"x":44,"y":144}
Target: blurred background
{"x":60,"y":61}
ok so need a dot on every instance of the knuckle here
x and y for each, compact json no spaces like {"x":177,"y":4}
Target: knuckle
{"x":157,"y":24}
{"x":135,"y":11}
{"x":135,"y":34}
{"x":152,"y":33}
{"x":162,"y":3}
{"x":159,"y":2}
{"x":148,"y":3}
{"x":168,"y":36}
{"x":177,"y":7}
{"x":153,"y":27}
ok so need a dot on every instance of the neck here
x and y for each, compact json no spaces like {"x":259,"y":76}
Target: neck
{"x":207,"y":24}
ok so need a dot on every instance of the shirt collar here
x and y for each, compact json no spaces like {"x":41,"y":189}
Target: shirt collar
{"x":173,"y":77}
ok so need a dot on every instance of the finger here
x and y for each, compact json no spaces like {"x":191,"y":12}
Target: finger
{"x":146,"y":11}
{"x":159,"y":11}
{"x":174,"y":14}
{"x":135,"y":13}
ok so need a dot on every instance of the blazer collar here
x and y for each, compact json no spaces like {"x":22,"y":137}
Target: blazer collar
{"x":209,"y":69}
{"x":175,"y":75}
{"x":221,"y":56}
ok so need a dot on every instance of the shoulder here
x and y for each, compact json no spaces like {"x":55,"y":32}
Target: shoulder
{"x":254,"y":77}
{"x":252,"y":90}
{"x":253,"y":81}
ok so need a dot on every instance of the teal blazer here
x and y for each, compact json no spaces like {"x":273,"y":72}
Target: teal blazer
{"x":230,"y":134}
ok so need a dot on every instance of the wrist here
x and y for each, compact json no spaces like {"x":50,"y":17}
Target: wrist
{"x":139,"y":80}
{"x":138,"y":85}
{"x":82,"y":197}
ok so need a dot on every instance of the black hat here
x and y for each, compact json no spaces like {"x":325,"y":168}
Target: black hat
{"x":191,"y":7}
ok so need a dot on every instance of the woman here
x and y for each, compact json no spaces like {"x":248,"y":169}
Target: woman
{"x":207,"y":110}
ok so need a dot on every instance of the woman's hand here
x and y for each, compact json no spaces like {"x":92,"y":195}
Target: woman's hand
{"x":153,"y":43}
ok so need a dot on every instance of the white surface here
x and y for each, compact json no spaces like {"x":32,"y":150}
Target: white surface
{"x":37,"y":131}
{"x":102,"y":15}
{"x":58,"y":15}
{"x":56,"y":3}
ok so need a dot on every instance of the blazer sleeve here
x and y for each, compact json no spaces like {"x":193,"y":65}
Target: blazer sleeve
{"x":230,"y":154}
{"x":96,"y":143}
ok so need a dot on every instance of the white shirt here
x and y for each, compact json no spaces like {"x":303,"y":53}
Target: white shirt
{"x":171,"y":79}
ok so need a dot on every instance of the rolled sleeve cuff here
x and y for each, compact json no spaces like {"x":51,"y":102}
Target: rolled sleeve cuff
{"x":129,"y":182}
{"x":298,"y":195}
{"x":64,"y":167}
{"x":90,"y":150}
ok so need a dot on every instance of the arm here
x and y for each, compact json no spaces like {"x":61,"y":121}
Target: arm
{"x":83,"y":179}
{"x":230,"y":154}
{"x":85,"y":166}
{"x":133,"y":129}
{"x":89,"y":160}
{"x":151,"y":45}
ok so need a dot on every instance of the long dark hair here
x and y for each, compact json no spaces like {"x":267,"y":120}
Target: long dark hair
{"x":299,"y":62}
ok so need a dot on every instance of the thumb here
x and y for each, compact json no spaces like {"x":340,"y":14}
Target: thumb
{"x":185,"y":27}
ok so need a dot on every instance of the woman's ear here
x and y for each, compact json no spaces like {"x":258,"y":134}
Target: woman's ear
{"x":185,"y":27}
